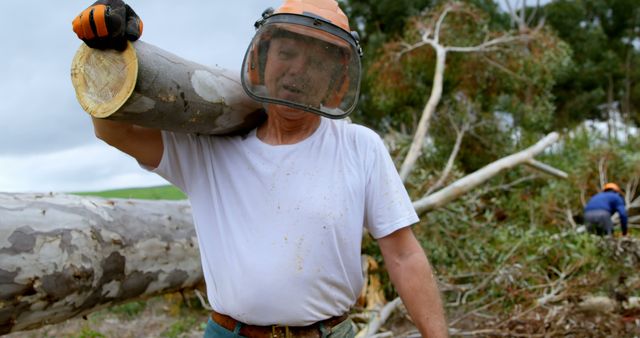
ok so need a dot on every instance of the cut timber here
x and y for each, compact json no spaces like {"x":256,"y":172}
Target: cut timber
{"x":63,"y":256}
{"x":150,"y":87}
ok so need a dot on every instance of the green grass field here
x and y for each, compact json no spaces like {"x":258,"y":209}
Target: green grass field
{"x":165,"y":192}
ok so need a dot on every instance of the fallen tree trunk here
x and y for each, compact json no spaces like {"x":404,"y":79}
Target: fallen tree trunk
{"x":63,"y":256}
{"x":150,"y":87}
{"x":467,"y":183}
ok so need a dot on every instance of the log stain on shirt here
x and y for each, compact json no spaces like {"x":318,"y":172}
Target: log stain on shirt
{"x":299,"y":258}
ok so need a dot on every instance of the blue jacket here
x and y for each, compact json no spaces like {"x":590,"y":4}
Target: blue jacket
{"x":612,"y":202}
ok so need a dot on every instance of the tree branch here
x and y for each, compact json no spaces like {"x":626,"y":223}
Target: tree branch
{"x":487,"y":46}
{"x":436,"y":34}
{"x":488,"y":279}
{"x":547,"y":169}
{"x":471,"y":181}
{"x":602,"y":171}
{"x":379,"y":319}
{"x":436,"y":93}
{"x":460,"y":132}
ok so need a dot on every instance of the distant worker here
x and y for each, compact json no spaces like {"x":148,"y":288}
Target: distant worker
{"x":600,"y":208}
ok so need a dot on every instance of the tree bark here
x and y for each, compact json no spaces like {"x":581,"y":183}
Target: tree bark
{"x":148,"y":86}
{"x":63,"y":256}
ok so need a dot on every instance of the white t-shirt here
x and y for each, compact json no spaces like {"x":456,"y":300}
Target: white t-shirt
{"x":280,"y":227}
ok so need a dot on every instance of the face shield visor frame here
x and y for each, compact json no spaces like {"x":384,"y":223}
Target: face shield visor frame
{"x":334,"y":60}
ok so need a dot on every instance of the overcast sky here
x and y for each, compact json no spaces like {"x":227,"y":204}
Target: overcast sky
{"x":46,"y":139}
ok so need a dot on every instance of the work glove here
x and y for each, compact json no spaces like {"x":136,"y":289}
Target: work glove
{"x":108,"y":24}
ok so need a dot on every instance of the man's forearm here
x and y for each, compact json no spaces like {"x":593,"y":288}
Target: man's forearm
{"x":411,"y":274}
{"x":414,"y":280}
{"x":420,"y":294}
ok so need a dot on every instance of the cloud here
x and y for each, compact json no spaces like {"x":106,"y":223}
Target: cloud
{"x":38,"y":109}
{"x":90,"y":167}
{"x":46,"y":140}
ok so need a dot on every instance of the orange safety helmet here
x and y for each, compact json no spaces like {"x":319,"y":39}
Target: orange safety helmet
{"x":612,"y":186}
{"x":327,"y":10}
{"x":318,"y":22}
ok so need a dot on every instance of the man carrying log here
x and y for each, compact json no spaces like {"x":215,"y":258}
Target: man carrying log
{"x":280,"y":212}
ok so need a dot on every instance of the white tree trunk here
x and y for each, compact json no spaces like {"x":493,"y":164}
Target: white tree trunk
{"x":433,"y":39}
{"x":467,"y":183}
{"x":63,"y":256}
{"x":148,"y":86}
{"x":423,"y":126}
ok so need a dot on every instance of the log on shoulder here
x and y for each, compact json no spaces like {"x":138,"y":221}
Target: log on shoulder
{"x":63,"y":256}
{"x":153,"y":88}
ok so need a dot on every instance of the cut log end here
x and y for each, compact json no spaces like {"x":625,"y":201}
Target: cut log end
{"x":100,"y":90}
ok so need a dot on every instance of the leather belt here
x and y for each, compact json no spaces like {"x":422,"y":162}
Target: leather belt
{"x":276,"y":331}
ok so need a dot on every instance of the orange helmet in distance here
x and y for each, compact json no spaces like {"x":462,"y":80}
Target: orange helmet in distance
{"x":612,"y":186}
{"x":304,"y":56}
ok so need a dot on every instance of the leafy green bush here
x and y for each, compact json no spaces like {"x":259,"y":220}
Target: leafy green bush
{"x":130,"y":309}
{"x":181,"y":326}
{"x":89,"y":333}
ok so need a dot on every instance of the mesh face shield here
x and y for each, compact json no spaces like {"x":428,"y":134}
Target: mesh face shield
{"x":304,"y":63}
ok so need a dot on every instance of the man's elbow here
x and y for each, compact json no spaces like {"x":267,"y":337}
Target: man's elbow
{"x":111,"y":132}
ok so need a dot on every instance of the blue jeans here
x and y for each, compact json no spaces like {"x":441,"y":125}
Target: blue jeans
{"x":599,"y":222}
{"x":345,"y":329}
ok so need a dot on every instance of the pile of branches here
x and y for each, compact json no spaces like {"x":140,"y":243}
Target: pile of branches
{"x":504,"y":279}
{"x":580,"y":300}
{"x":586,"y":297}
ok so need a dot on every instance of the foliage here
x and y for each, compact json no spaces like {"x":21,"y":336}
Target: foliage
{"x":180,"y":327}
{"x":510,"y":247}
{"x":509,"y":87}
{"x":89,"y":333}
{"x":604,"y":36}
{"x":167,"y":192}
{"x":380,"y":20}
{"x":377,"y":22}
{"x":130,"y":309}
{"x":580,"y":154}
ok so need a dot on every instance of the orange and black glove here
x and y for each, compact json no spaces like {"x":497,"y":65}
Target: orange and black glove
{"x":108,"y":24}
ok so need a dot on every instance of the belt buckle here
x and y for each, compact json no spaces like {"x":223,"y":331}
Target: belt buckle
{"x":280,"y":331}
